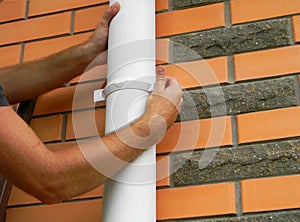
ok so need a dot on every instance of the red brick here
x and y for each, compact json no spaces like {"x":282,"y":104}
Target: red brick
{"x":90,"y":211}
{"x":162,"y":51}
{"x":87,"y":19}
{"x":12,"y":10}
{"x":296,"y":26}
{"x":96,"y":73}
{"x":162,"y":5}
{"x":98,"y":192}
{"x":38,"y":7}
{"x":33,"y":50}
{"x":48,"y":128}
{"x":189,"y":20}
{"x":61,"y":99}
{"x":163,"y":171}
{"x":19,"y":197}
{"x":197,"y":134}
{"x":84,"y":124}
{"x":10,"y":55}
{"x":269,"y":194}
{"x":168,"y":23}
{"x":250,"y":10}
{"x":196,"y":201}
{"x":200,"y":73}
{"x":39,"y":28}
{"x":267,"y":63}
{"x":268,"y":125}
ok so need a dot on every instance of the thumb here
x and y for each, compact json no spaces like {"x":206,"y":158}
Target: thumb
{"x":161,"y":79}
{"x":109,"y":14}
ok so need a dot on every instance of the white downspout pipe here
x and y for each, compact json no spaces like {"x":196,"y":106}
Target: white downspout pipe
{"x":131,"y":195}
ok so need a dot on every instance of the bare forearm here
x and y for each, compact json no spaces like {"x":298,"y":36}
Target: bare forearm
{"x":90,"y":163}
{"x":31,"y":79}
{"x":53,"y":176}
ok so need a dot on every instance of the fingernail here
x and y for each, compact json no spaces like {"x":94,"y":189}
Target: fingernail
{"x":114,"y":6}
{"x":160,"y":69}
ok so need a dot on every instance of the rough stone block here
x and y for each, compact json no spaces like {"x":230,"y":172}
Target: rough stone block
{"x":231,"y":164}
{"x":231,"y":40}
{"x":239,"y":98}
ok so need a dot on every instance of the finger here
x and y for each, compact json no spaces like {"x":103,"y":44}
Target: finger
{"x":179,"y":105}
{"x":173,"y":84}
{"x":109,"y":14}
{"x":161,"y":79}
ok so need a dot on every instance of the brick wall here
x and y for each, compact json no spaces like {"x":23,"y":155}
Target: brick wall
{"x":251,"y":49}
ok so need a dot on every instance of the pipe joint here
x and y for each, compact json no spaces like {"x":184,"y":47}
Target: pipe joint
{"x":101,"y":94}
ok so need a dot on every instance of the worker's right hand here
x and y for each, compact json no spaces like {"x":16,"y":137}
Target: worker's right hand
{"x":166,"y":99}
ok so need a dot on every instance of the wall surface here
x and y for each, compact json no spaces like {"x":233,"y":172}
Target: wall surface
{"x":250,"y":46}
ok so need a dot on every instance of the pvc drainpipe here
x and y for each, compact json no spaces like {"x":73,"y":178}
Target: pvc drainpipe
{"x":131,"y":195}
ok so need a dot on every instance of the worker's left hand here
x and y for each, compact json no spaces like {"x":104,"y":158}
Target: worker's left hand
{"x":97,"y":43}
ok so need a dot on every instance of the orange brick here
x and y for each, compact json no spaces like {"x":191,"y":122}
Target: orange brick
{"x":19,"y":197}
{"x":296,"y":26}
{"x":268,"y":125}
{"x":33,"y":50}
{"x":61,"y":99}
{"x":12,"y":10}
{"x":168,"y":23}
{"x":200,"y":73}
{"x":38,"y":7}
{"x":197,"y":134}
{"x":48,"y":128}
{"x":267,"y":63}
{"x":216,"y":199}
{"x":96,"y":73}
{"x":10,"y":55}
{"x":250,"y":10}
{"x":161,"y":5}
{"x":162,"y":51}
{"x":60,"y":145}
{"x":68,"y":212}
{"x":84,"y":124}
{"x":87,"y":19}
{"x":189,"y":20}
{"x":163,"y":171}
{"x":98,"y":192}
{"x":268,"y":194}
{"x":39,"y":28}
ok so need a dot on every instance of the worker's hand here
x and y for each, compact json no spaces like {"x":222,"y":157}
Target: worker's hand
{"x":97,"y":43}
{"x":162,"y":109}
{"x":166,"y":99}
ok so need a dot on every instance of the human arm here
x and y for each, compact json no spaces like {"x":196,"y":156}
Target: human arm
{"x":56,"y":176}
{"x":28,"y":80}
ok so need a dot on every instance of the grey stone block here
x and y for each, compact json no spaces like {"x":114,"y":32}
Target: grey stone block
{"x":179,"y":4}
{"x":231,"y":164}
{"x":239,"y":98}
{"x":286,"y":216}
{"x":232,"y":40}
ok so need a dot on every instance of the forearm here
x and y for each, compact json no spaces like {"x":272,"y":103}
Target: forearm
{"x":53,"y":176}
{"x":31,"y":79}
{"x":90,"y":163}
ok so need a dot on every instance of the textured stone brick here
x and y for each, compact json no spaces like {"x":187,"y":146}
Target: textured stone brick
{"x":287,"y":216}
{"x":229,"y":164}
{"x":231,"y":40}
{"x":239,"y":98}
{"x":178,"y":4}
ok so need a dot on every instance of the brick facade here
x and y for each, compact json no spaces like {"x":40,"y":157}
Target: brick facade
{"x":250,"y":47}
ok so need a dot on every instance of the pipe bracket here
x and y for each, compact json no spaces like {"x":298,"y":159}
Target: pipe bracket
{"x":101,"y":94}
